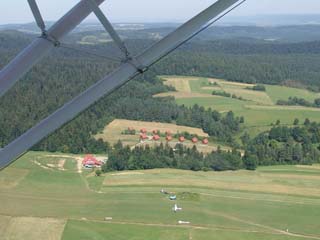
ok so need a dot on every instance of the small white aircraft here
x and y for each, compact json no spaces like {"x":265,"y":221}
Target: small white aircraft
{"x":176,"y":208}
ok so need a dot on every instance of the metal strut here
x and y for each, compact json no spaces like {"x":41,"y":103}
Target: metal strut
{"x":40,"y":22}
{"x":128,"y":58}
{"x":27,"y":58}
{"x":103,"y":87}
{"x":109,"y":28}
{"x":37,"y":15}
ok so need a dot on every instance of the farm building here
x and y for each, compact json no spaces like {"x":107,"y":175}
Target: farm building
{"x":143,"y":130}
{"x":194,"y":140}
{"x":205,"y":141}
{"x":156,"y":137}
{"x":90,"y":161}
{"x":181,"y":139}
{"x":143,"y":136}
{"x":169,"y":138}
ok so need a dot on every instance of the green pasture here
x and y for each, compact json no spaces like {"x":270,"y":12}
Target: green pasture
{"x":229,"y":205}
{"x":258,"y":108}
{"x":254,"y":117}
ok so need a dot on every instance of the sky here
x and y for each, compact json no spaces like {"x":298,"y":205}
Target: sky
{"x":17,"y":11}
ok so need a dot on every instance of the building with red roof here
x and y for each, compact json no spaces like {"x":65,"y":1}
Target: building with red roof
{"x":156,"y":137}
{"x":194,"y":140}
{"x":169,"y":138}
{"x":205,"y":141}
{"x":143,"y":136}
{"x":143,"y":130}
{"x":181,"y":139}
{"x":90,"y":161}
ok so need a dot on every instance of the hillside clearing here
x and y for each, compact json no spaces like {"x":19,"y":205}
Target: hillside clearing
{"x":113,"y":133}
{"x":257,"y":107}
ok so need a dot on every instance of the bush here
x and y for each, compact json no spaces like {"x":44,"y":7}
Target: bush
{"x":250,"y":162}
{"x":221,"y":93}
{"x":98,"y":173}
{"x":259,"y":87}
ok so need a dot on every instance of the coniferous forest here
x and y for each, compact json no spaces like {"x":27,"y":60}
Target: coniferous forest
{"x":65,"y":73}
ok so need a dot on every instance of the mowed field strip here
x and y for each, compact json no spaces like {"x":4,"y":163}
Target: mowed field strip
{"x":31,"y":228}
{"x":240,"y":180}
{"x":280,"y":202}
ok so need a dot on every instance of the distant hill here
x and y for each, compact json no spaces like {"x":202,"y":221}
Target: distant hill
{"x":155,"y":31}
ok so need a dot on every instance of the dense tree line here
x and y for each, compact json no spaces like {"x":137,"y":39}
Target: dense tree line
{"x":285,"y":145}
{"x":295,"y":101}
{"x":259,"y":87}
{"x":163,"y":156}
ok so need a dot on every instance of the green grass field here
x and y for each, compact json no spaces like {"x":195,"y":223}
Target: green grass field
{"x":258,"y":108}
{"x":40,"y":199}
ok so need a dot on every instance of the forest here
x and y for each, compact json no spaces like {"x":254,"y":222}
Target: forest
{"x":163,"y":156}
{"x":284,"y":145}
{"x":66,"y":72}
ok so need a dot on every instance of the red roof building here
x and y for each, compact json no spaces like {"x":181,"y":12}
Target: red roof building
{"x":155,"y":131}
{"x":181,"y":139}
{"x":156,"y":137}
{"x":169,"y":138}
{"x":143,"y":136}
{"x":194,"y":140}
{"x":205,"y":141}
{"x":90,"y":160}
{"x":168,"y":133}
{"x":143,"y":130}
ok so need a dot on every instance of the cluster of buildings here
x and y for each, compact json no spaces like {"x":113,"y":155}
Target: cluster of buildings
{"x":156,"y":137}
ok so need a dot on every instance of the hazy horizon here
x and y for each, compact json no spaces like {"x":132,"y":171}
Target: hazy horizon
{"x":17,"y":11}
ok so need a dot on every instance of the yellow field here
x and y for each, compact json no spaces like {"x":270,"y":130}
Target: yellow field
{"x":29,"y":228}
{"x":255,"y":96}
{"x":180,"y":84}
{"x":112,"y":132}
{"x":181,"y":95}
{"x":230,"y":84}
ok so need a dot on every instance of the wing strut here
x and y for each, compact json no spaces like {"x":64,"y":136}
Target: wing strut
{"x":127,"y":57}
{"x":109,"y":28}
{"x":22,"y":63}
{"x":116,"y":79}
{"x":37,"y":15}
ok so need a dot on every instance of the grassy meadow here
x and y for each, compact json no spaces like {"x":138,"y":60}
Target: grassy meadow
{"x":45,"y":196}
{"x":258,"y":108}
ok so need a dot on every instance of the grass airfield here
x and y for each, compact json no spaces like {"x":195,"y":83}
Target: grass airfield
{"x":258,"y":108}
{"x":43,"y":199}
